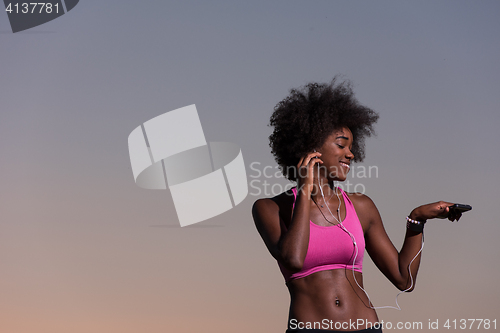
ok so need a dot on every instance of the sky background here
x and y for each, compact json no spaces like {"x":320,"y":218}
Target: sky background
{"x":84,"y":249}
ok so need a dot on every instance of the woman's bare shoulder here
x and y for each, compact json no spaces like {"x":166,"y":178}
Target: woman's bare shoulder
{"x":268,"y":213}
{"x":361,"y":200}
{"x":365,"y":209}
{"x":274,"y":204}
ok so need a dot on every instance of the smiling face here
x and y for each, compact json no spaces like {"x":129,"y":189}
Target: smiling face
{"x":336,"y":154}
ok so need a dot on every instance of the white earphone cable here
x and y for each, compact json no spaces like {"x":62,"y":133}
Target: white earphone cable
{"x":356,"y":254}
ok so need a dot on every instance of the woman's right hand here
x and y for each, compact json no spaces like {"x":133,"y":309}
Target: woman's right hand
{"x":305,"y":172}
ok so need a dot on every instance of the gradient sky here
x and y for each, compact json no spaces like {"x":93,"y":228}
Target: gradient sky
{"x":83,"y":249}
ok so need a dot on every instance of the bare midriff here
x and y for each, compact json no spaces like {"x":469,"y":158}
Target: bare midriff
{"x":332,"y":295}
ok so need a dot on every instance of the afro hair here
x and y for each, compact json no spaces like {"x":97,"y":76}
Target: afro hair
{"x":303,"y":120}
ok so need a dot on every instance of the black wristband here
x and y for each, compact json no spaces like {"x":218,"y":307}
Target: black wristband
{"x":415,"y":227}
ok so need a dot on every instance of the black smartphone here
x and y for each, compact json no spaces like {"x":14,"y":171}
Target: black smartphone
{"x":459,"y":208}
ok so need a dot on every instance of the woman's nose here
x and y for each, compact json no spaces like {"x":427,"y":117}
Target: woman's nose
{"x":349,"y":154}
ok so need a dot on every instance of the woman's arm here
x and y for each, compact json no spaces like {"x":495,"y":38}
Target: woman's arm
{"x":393,"y":264}
{"x":290,"y":248}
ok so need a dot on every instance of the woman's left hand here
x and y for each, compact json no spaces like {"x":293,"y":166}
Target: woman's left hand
{"x":440,"y":210}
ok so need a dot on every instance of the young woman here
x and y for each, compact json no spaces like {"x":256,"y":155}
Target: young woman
{"x":317,"y":232}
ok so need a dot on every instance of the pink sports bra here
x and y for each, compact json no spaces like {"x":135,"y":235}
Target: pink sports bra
{"x":331,"y":247}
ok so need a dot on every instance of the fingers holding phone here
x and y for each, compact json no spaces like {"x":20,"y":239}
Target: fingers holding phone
{"x":456,"y":210}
